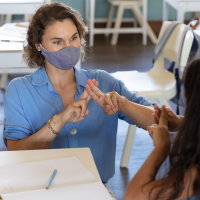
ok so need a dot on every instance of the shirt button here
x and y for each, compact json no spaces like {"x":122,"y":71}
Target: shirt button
{"x":73,"y":131}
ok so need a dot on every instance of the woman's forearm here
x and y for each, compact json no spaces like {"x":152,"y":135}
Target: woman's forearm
{"x":146,"y":173}
{"x":39,"y":140}
{"x":139,"y":114}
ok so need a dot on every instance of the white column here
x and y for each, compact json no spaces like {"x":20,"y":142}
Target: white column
{"x":181,"y":11}
{"x":165,"y":10}
{"x":144,"y":22}
{"x":92,"y":16}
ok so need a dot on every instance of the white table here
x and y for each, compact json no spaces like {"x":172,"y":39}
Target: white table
{"x":93,"y":30}
{"x":182,"y":6}
{"x":19,"y":6}
{"x":83,"y":154}
{"x":10,"y":7}
{"x":11,"y":61}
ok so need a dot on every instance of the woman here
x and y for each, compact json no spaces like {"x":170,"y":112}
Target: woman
{"x":183,"y":178}
{"x":48,"y":109}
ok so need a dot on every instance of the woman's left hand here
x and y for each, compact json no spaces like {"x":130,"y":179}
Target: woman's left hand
{"x":159,"y":132}
{"x":110,"y":102}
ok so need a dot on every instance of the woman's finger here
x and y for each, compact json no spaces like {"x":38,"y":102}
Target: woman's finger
{"x":83,"y":108}
{"x":155,"y":118}
{"x":95,"y":82}
{"x":109,"y":102}
{"x":94,"y":88}
{"x":84,"y":95}
{"x":157,"y":110}
{"x":91,"y":93}
{"x":114,"y":99}
{"x":150,"y":130}
{"x":163,"y":117}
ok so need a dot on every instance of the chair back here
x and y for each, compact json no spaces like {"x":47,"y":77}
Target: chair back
{"x":171,"y":48}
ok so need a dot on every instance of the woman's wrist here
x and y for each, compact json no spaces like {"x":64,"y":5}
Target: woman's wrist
{"x":164,"y":147}
{"x":123,"y":108}
{"x":56,"y":123}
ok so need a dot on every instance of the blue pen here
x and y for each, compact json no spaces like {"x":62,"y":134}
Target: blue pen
{"x":49,"y":183}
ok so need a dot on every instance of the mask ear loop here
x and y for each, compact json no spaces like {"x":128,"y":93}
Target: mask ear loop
{"x":42,"y":47}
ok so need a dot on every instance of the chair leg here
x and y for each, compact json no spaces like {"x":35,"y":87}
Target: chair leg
{"x":117,"y":24}
{"x":128,"y":146}
{"x":1,"y":20}
{"x":4,"y":78}
{"x":8,"y":18}
{"x":26,"y":17}
{"x":110,"y":17}
{"x":138,"y":14}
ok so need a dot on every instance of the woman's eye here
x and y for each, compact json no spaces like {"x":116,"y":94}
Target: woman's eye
{"x":74,"y":38}
{"x":57,"y":42}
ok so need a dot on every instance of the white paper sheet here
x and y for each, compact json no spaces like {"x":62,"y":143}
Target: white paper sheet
{"x":35,"y":175}
{"x":90,"y":191}
{"x":17,"y":32}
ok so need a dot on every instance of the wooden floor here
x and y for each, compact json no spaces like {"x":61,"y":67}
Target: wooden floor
{"x":128,"y":54}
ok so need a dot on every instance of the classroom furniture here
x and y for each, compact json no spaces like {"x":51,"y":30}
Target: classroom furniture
{"x":11,"y":61}
{"x":134,"y":6}
{"x":157,"y":85}
{"x":182,"y":6}
{"x":83,"y":154}
{"x":26,"y":7}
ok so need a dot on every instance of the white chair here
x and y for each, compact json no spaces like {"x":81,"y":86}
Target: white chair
{"x":134,"y":6}
{"x":157,"y":85}
{"x":90,"y":18}
{"x":182,"y":6}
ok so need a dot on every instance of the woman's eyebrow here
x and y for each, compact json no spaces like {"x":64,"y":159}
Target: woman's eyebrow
{"x":56,"y":38}
{"x":74,"y":34}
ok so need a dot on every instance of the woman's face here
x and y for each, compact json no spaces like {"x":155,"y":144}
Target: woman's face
{"x":60,"y":35}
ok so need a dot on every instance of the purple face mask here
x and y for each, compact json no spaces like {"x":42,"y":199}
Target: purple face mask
{"x":64,"y":59}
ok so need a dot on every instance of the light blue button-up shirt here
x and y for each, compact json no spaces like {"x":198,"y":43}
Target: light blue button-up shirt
{"x":31,"y":101}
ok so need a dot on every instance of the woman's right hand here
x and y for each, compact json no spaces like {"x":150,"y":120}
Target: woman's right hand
{"x":159,"y":132}
{"x":77,"y":111}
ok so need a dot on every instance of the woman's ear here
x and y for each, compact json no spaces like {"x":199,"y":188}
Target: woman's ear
{"x":38,"y":47}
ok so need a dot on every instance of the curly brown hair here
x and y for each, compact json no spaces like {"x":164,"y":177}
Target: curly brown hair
{"x":46,"y":15}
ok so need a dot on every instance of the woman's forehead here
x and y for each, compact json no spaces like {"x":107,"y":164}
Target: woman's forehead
{"x":60,"y":29}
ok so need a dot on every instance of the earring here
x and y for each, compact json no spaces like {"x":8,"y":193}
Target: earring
{"x":39,"y":50}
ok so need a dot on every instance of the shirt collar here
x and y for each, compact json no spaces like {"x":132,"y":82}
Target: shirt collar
{"x":81,"y":77}
{"x":39,"y":78}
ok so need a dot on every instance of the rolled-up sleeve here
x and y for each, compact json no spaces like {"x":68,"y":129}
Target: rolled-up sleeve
{"x":131,"y":96}
{"x":16,"y":125}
